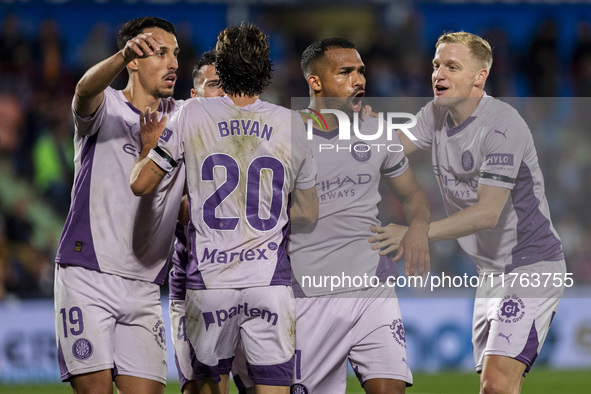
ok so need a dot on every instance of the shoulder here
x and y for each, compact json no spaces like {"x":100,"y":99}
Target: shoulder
{"x":171,"y":105}
{"x":114,"y":95}
{"x":501,"y":115}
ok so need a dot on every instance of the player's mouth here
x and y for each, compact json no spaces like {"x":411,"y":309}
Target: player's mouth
{"x":170,"y":79}
{"x":439,"y":89}
{"x":357,"y":100}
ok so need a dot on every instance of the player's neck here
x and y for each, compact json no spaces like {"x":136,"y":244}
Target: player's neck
{"x":243,"y":100}
{"x":317,"y":104}
{"x":139,"y":99}
{"x":464,"y":109}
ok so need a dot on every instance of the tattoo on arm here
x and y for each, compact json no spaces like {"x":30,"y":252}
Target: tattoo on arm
{"x":157,"y":171}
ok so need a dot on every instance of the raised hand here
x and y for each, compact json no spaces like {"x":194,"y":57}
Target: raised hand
{"x":151,"y":128}
{"x":142,"y":46}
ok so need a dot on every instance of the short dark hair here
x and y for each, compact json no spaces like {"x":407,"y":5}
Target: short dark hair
{"x":135,"y":26}
{"x":317,"y":49}
{"x":242,"y":60}
{"x":207,"y":59}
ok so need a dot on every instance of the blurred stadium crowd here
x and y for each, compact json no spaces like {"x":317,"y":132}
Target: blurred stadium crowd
{"x":38,"y":73}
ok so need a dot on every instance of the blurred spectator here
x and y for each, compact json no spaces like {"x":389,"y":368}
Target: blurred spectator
{"x":542,"y":61}
{"x":187,"y":58}
{"x":50,"y":72}
{"x":12,"y":115}
{"x":500,"y":82}
{"x":53,"y":157}
{"x":15,"y":54}
{"x":98,"y":45}
{"x":29,"y":270}
{"x":581,"y":62}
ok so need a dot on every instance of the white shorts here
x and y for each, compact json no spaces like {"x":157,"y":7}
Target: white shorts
{"x":365,"y":329}
{"x":182,"y":348}
{"x":512,"y":320}
{"x":263,"y":318}
{"x":104,"y":321}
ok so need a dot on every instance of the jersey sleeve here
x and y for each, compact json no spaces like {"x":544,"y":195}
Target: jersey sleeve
{"x":503,"y":150}
{"x":395,"y":163}
{"x":170,"y":149}
{"x":424,"y":128}
{"x":302,"y":157}
{"x":89,"y":125}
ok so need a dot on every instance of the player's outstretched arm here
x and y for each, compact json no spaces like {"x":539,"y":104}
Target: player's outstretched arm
{"x":304,"y":207}
{"x":412,"y":242}
{"x":407,"y":145}
{"x":146,"y":174}
{"x":481,"y":216}
{"x":90,"y":88}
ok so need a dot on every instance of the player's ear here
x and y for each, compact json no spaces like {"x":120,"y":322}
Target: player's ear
{"x":481,"y":76}
{"x":314,"y":82}
{"x":133,"y":65}
{"x":193,"y":93}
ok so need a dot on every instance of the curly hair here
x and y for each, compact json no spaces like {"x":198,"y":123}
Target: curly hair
{"x":242,"y":60}
{"x":135,"y":26}
{"x":317,"y":49}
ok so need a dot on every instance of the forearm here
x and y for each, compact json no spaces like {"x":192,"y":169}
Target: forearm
{"x":460,"y":224}
{"x":145,"y":176}
{"x":416,"y":209}
{"x":304,"y":208}
{"x":94,"y":82}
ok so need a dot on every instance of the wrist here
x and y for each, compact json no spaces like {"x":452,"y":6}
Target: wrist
{"x":419,"y":224}
{"x":125,"y":60}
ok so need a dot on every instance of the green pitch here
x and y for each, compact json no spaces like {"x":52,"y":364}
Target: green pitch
{"x":538,"y":382}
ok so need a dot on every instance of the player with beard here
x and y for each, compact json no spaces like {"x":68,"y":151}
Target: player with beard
{"x":112,"y":254}
{"x":359,"y":324}
{"x":487,"y":168}
{"x":245,"y":160}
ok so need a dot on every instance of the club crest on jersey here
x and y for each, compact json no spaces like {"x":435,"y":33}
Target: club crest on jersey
{"x":398,"y":332}
{"x":361,"y":151}
{"x":159,"y":334}
{"x":298,"y":388}
{"x":82,"y":349}
{"x":467,"y":161}
{"x":511,"y":309}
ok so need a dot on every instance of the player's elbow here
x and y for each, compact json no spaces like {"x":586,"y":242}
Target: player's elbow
{"x":139,"y":187}
{"x":489,"y":220}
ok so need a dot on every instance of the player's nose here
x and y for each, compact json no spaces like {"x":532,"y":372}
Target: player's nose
{"x":358,"y":80}
{"x":173,"y":63}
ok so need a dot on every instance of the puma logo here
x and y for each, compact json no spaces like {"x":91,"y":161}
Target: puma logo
{"x":504,"y":134}
{"x":505,"y":336}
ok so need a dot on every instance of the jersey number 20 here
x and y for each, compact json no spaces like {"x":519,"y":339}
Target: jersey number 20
{"x":253,"y":187}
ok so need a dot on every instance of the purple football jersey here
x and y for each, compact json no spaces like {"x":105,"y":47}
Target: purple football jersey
{"x":242,"y":163}
{"x":108,"y":228}
{"x":494,"y":146}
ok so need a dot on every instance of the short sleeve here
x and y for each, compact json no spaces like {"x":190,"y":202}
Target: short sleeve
{"x":302,"y":157}
{"x":89,"y":125}
{"x":503,"y":150}
{"x":169,"y":152}
{"x":395,"y":162}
